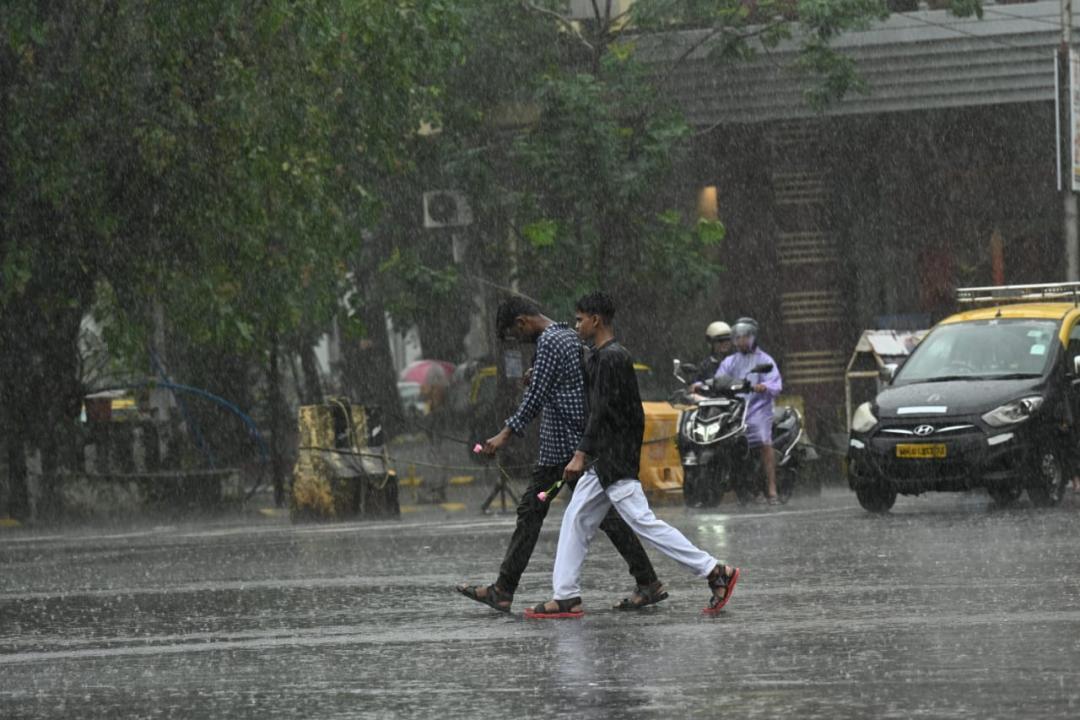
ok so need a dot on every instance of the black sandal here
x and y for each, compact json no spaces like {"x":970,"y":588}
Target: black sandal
{"x":565,"y":610}
{"x":722,"y":581}
{"x":643,"y":596}
{"x":491,"y":597}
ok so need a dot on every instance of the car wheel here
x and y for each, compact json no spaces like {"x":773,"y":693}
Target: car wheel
{"x":876,"y":499}
{"x":1046,"y":484}
{"x":1005,"y":496}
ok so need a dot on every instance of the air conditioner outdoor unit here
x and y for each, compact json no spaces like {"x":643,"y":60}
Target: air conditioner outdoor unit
{"x":446,"y":208}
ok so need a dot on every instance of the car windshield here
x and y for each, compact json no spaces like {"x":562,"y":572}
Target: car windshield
{"x":981,"y":350}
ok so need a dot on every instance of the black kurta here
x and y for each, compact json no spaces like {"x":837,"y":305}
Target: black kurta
{"x":616,"y":419}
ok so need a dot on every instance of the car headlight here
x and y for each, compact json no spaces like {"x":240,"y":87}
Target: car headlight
{"x":1014,"y":412}
{"x":863,"y":421}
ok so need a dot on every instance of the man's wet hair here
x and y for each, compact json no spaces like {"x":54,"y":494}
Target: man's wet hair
{"x":510,"y":310}
{"x":597,"y":303}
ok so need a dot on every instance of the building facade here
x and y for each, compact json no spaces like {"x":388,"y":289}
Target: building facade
{"x":871,"y":212}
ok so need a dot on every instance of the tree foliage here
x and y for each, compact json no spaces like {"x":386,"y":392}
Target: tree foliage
{"x":218,"y":158}
{"x":222,"y":156}
{"x":570,"y":141}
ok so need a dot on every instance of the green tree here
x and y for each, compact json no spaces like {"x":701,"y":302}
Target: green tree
{"x":218,"y":159}
{"x":562,"y":133}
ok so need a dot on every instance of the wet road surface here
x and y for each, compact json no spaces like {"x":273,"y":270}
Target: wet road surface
{"x":944,"y":608}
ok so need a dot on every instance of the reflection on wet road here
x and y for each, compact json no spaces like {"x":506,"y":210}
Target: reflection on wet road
{"x":945,"y":608}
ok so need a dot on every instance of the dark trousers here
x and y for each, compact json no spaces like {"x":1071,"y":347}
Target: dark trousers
{"x":530,"y":518}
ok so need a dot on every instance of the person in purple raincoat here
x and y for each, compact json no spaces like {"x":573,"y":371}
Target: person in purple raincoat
{"x":759,"y":405}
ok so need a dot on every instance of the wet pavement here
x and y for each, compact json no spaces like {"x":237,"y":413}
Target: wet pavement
{"x":944,"y":608}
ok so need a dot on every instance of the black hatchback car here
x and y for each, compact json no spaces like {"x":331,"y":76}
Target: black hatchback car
{"x":989,"y":399}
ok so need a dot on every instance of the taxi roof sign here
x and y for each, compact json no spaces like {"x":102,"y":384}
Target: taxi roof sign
{"x":1020,"y":293}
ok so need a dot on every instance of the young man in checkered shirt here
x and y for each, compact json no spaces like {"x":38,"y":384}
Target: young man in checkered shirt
{"x":556,"y":392}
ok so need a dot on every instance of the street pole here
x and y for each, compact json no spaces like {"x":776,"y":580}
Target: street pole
{"x":1071,"y":233}
{"x":476,"y":345}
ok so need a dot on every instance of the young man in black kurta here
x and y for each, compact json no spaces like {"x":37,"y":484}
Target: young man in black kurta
{"x":612,"y":443}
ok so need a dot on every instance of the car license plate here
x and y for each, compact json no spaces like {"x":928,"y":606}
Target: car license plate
{"x":920,"y":450}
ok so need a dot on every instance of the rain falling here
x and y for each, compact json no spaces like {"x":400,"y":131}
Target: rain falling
{"x":591,"y":358}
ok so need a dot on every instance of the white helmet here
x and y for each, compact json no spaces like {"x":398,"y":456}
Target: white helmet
{"x":717,"y":331}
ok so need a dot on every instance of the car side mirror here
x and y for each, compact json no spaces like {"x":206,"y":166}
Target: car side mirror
{"x":888,"y":372}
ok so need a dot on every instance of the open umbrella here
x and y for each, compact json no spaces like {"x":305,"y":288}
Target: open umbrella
{"x":433,"y":377}
{"x":428,"y":372}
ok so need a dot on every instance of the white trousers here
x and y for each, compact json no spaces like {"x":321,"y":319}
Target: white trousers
{"x":587,"y":508}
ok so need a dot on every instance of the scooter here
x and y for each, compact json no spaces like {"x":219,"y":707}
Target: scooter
{"x":792,"y":454}
{"x":712,"y":441}
{"x":712,"y":435}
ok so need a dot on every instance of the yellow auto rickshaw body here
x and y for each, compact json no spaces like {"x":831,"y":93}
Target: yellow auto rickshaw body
{"x":661,"y":470}
{"x":661,"y":466}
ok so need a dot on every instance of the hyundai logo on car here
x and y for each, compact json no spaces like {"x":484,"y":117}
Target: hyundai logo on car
{"x":924,"y":430}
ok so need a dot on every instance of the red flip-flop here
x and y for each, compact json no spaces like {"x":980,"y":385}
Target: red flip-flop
{"x":540,"y":612}
{"x":716,"y":604}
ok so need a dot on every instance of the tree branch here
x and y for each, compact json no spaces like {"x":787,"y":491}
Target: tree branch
{"x":567,"y":24}
{"x":718,"y":30}
{"x":694,"y":46}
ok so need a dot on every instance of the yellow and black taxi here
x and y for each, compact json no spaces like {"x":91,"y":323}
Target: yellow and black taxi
{"x":989,"y":398}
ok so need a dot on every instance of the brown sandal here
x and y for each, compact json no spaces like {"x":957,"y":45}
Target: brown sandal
{"x":492,"y":597}
{"x":569,"y":608}
{"x":643,"y":596}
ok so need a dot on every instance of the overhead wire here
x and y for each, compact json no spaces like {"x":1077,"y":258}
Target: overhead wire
{"x":1056,"y":24}
{"x":958,"y":31}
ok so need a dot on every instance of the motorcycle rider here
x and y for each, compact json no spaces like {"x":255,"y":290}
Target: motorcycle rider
{"x":765,"y":387}
{"x":718,"y":335}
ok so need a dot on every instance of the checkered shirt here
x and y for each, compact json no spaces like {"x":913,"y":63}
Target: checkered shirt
{"x":557,"y":388}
